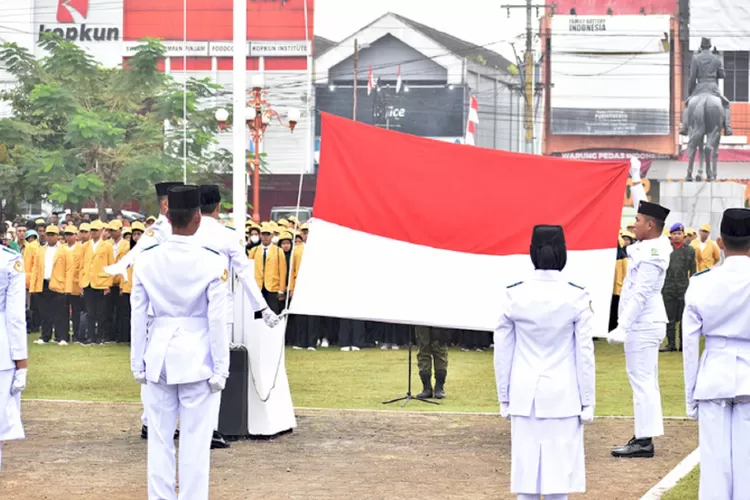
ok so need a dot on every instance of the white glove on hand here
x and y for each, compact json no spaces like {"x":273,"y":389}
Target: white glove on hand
{"x":587,"y":414}
{"x":504,"y":410}
{"x":270,"y":317}
{"x":140,"y":377}
{"x":692,"y":410}
{"x":635,"y":169}
{"x":616,"y":336}
{"x":19,"y":381}
{"x":217,"y":383}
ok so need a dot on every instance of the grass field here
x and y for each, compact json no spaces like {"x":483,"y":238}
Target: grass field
{"x":687,"y":489}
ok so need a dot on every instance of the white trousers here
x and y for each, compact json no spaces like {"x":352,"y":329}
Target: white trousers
{"x":524,"y":496}
{"x":642,"y":366}
{"x":724,"y":434}
{"x":10,"y":411}
{"x":196,"y":407}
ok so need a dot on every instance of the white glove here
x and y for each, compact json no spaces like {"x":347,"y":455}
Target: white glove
{"x":635,"y":169}
{"x":616,"y":336}
{"x":217,"y":383}
{"x":587,"y":414}
{"x":117,"y":269}
{"x":270,"y":317}
{"x":19,"y":381}
{"x":505,"y":410}
{"x":692,"y":410}
{"x":140,"y":377}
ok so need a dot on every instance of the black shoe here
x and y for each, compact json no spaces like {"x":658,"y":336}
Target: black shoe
{"x":177,"y":434}
{"x":218,"y":441}
{"x":636,"y":448}
{"x":426,"y":378}
{"x":727,"y":131}
{"x":440,"y":384}
{"x":144,"y":432}
{"x":668,"y":348}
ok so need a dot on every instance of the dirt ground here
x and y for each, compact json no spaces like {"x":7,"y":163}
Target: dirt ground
{"x":79,"y":451}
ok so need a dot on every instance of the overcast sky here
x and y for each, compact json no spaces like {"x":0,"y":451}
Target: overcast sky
{"x":479,"y":21}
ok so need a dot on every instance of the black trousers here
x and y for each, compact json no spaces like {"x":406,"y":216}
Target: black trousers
{"x":351,"y":333}
{"x":35,"y":320}
{"x":674,"y":305}
{"x":100,"y":324}
{"x":54,"y":310}
{"x":113,"y":313}
{"x":75,"y":304}
{"x":272,"y":299}
{"x":123,"y":317}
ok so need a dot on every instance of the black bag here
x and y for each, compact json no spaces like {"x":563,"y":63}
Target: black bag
{"x":233,"y":414}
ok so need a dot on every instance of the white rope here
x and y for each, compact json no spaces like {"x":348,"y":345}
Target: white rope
{"x":184,"y":91}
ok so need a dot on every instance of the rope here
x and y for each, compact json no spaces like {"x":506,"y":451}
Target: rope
{"x":184,"y":92}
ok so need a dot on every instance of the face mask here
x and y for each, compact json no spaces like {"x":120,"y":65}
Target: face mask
{"x":275,"y":239}
{"x":254,"y":238}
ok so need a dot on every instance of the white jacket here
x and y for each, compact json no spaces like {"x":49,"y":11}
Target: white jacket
{"x":544,"y":353}
{"x":13,"y":337}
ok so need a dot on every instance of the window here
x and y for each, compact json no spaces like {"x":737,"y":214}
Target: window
{"x":737,"y":79}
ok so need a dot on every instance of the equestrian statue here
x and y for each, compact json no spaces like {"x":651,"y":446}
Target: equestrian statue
{"x":706,"y":112}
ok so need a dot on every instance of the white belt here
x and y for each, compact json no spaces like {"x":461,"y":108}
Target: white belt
{"x":175,"y":321}
{"x":713,"y":342}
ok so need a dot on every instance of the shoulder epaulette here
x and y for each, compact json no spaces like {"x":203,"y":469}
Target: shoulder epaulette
{"x":702,"y":272}
{"x":514,"y":284}
{"x":230,"y":227}
{"x":149,"y":248}
{"x":10,"y":250}
{"x":577,"y":286}
{"x":212,"y":250}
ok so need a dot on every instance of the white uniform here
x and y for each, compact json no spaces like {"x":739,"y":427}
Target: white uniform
{"x":13,"y":341}
{"x":643,"y":318}
{"x":187,"y":345}
{"x":717,"y":306}
{"x":544,"y":367}
{"x":224,"y":240}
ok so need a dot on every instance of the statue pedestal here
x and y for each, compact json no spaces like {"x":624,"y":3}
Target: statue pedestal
{"x":696,"y":203}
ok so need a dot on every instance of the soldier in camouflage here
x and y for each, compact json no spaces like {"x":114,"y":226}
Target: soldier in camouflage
{"x":433,"y":347}
{"x":681,"y":267}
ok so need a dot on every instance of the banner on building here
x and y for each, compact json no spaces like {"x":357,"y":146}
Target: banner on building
{"x":725,"y":23}
{"x":422,"y":111}
{"x":610,"y":75}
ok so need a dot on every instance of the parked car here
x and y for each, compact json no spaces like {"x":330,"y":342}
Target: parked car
{"x":305,"y":213}
{"x":126,"y":214}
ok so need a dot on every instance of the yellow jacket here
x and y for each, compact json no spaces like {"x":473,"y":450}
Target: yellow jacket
{"x":273,"y":274}
{"x":29,"y":252}
{"x":127,"y":287}
{"x":74,"y":279}
{"x":621,"y":269}
{"x":296,"y":262}
{"x":93,"y":265}
{"x":708,"y":257}
{"x":122,"y":251}
{"x":62,"y":267}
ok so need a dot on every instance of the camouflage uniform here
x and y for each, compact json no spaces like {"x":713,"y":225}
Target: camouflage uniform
{"x":432,"y":348}
{"x":677,"y":279}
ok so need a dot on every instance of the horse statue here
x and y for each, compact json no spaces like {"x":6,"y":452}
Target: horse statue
{"x":706,"y":121}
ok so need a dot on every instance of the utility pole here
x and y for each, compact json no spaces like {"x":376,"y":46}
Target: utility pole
{"x":356,"y":71}
{"x":528,"y":69}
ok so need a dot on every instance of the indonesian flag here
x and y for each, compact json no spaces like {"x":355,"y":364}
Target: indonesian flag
{"x":398,"y":80}
{"x":370,"y":81}
{"x":471,"y":123}
{"x":417,"y":231}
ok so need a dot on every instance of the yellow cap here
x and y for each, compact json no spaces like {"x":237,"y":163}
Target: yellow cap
{"x":115,"y":225}
{"x":52,"y":229}
{"x":150,"y":218}
{"x":628,"y":234}
{"x":97,"y":225}
{"x":70,"y":229}
{"x":85,"y":227}
{"x":292,"y":218}
{"x":283,"y":222}
{"x":304,"y":227}
{"x":690,"y":230}
{"x":127,"y":230}
{"x":40,"y":222}
{"x":137,"y":226}
{"x":286,"y":235}
{"x":706,"y":227}
{"x":267,"y":228}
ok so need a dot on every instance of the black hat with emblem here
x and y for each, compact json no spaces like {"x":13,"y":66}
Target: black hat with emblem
{"x":735,"y":223}
{"x":184,"y":197}
{"x":653,"y":210}
{"x":210,"y":194}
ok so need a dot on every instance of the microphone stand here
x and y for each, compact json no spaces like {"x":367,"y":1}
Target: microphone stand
{"x":409,"y":396}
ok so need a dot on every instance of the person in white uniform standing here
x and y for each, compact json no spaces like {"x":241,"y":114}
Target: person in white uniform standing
{"x":184,"y":361}
{"x":717,"y":388}
{"x":642,"y":318}
{"x":544,"y":367}
{"x":13,"y":345}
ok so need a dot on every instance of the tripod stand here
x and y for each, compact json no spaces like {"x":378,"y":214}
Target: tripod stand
{"x":408,"y":396}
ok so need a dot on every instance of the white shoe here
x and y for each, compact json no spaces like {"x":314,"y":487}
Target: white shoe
{"x":52,"y":341}
{"x":355,"y":348}
{"x":394,"y":347}
{"x":346,"y":348}
{"x":385,"y":347}
{"x":464,"y":349}
{"x":39,"y":341}
{"x":479,"y":349}
{"x":324,"y":343}
{"x":297,"y":348}
{"x":318,"y":343}
{"x":62,"y":342}
{"x":311,"y":349}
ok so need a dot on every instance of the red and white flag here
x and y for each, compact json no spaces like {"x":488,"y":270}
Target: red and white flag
{"x":471,"y":123}
{"x":417,"y":231}
{"x":370,"y":81}
{"x":398,"y":80}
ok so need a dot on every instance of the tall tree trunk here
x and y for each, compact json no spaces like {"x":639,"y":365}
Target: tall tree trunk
{"x":103,"y":206}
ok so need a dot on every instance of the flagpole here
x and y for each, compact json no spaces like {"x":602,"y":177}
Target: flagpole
{"x":239,"y":98}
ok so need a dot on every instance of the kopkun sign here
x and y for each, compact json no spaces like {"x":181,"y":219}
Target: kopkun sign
{"x":83,"y":33}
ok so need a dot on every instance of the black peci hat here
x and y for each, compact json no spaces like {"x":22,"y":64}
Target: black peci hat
{"x":653,"y":210}
{"x":735,"y":223}
{"x":184,"y":197}
{"x":210,"y":194}
{"x":162,"y":188}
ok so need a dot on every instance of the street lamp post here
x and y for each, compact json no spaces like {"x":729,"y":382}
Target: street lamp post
{"x":258,"y":116}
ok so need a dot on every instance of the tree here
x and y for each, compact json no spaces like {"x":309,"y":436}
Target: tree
{"x":83,"y":132}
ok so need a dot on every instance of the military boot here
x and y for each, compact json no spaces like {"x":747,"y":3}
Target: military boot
{"x":636,"y":448}
{"x":440,"y":384}
{"x":684,"y":123}
{"x":727,"y":121}
{"x":426,"y":385}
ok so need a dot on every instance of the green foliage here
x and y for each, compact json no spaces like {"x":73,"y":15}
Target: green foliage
{"x":81,"y":132}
